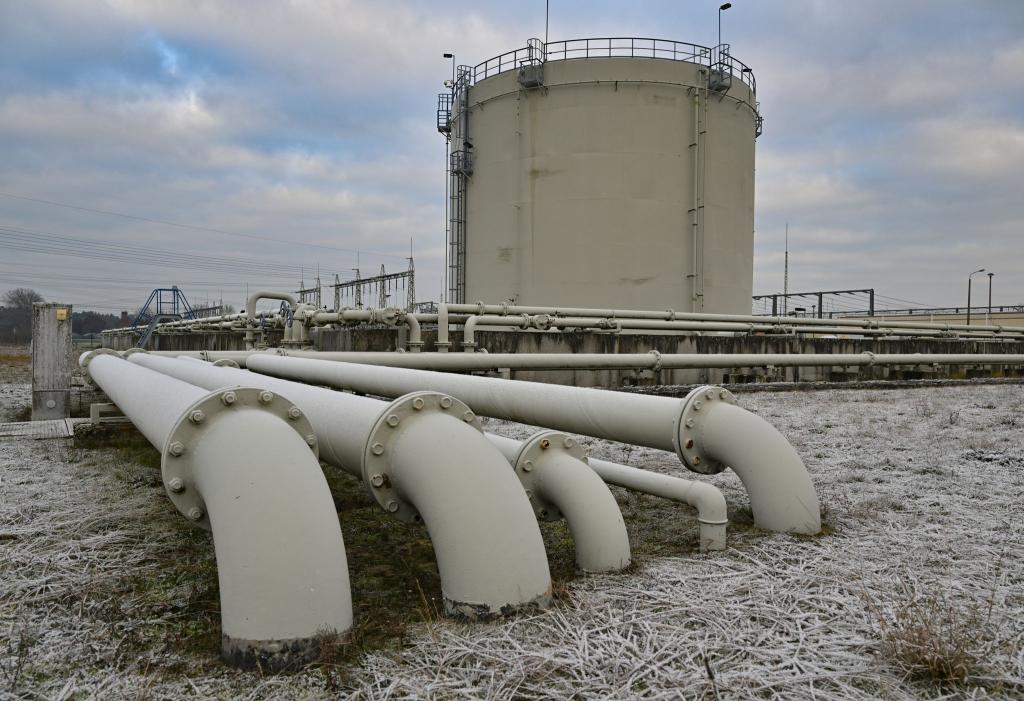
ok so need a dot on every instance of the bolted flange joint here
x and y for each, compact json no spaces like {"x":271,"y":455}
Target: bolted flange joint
{"x":389,"y":426}
{"x":689,"y":424}
{"x":536,"y":453}
{"x":176,"y":463}
{"x":84,"y":363}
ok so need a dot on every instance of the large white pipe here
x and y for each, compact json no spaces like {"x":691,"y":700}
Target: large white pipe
{"x":423,"y":458}
{"x":655,"y":422}
{"x":234,"y":462}
{"x":649,"y":361}
{"x":553,"y":470}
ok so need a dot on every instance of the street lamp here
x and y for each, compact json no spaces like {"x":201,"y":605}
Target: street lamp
{"x":452,"y":57}
{"x":979,"y":270}
{"x":721,"y":8}
{"x":989,"y":318}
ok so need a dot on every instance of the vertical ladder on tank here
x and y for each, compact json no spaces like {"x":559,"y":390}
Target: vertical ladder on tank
{"x":698,"y":153}
{"x":460,"y":168}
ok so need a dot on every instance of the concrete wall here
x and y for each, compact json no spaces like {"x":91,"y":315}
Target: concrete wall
{"x":582,"y":190}
{"x":51,"y":361}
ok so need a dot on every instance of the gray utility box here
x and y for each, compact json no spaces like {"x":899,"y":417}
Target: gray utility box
{"x":51,"y":361}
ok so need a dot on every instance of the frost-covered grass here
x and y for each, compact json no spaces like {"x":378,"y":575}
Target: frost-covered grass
{"x":105,"y":592}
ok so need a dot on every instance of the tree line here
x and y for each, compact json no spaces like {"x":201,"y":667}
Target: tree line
{"x":16,"y":317}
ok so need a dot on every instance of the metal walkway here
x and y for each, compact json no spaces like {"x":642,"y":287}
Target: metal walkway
{"x":57,"y":428}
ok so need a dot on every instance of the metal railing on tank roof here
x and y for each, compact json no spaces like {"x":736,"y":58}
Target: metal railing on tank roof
{"x":718,"y":58}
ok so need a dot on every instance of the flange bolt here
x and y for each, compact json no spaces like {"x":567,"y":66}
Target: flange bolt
{"x":176,"y":485}
{"x":446,"y":402}
{"x":311,"y":440}
{"x":176,"y":448}
{"x":294,"y":413}
{"x":196,"y":417}
{"x":195,"y":513}
{"x":392,"y":506}
{"x":377,"y":480}
{"x":469,"y":417}
{"x":393,"y":420}
{"x":417,"y":403}
{"x":266,"y":397}
{"x":377,"y":449}
{"x":228,"y":398}
{"x":528,"y":465}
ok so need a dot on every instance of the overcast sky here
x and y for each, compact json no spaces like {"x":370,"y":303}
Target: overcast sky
{"x":893,"y":143}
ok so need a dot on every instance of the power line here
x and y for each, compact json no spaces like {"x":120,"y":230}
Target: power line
{"x":194,"y":227}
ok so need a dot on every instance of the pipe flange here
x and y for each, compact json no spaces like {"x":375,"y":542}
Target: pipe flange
{"x":687,"y":436}
{"x":377,"y":453}
{"x":132,"y":351}
{"x":176,"y":458}
{"x":529,"y":467}
{"x":84,"y":363}
{"x":226,"y":363}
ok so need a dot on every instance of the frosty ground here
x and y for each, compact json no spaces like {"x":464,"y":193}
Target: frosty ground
{"x":106,"y":592}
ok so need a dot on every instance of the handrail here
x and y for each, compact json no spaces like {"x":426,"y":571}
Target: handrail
{"x":617,"y":47}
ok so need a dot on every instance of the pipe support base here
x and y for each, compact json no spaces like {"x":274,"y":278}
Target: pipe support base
{"x":387,"y":429}
{"x":688,"y":431}
{"x":176,"y":465}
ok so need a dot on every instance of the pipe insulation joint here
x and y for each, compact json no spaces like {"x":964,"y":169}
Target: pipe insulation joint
{"x":87,"y":358}
{"x":176,"y":464}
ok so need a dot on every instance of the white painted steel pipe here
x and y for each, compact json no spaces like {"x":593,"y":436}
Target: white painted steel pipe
{"x":423,"y":458}
{"x":232,"y":463}
{"x":652,"y":360}
{"x":655,"y":422}
{"x":445,"y":310}
{"x":553,"y":470}
{"x":250,"y":310}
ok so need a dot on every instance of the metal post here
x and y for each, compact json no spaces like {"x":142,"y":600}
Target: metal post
{"x":989,"y":318}
{"x":819,"y":305}
{"x":871,"y":302}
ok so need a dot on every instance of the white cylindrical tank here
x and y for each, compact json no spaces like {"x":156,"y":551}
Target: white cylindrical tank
{"x":611,"y":173}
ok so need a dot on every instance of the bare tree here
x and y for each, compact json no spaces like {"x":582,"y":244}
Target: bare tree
{"x":21,"y":299}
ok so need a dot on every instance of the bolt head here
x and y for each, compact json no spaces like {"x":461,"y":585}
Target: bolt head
{"x":196,"y":417}
{"x":689,"y":443}
{"x":690,"y":423}
{"x":568,"y":443}
{"x":469,"y":417}
{"x":724,"y":394}
{"x":545,"y":444}
{"x":697,"y":405}
{"x":709,"y":394}
{"x":528,"y":465}
{"x":417,"y":403}
{"x":392,"y":506}
{"x":195,"y":513}
{"x":311,"y":440}
{"x":176,"y":485}
{"x":393,"y":420}
{"x":228,"y":398}
{"x":446,"y":402}
{"x":377,"y":449}
{"x":176,"y":448}
{"x":377,"y":480}
{"x":266,"y":397}
{"x":696,"y":460}
{"x":294,"y":413}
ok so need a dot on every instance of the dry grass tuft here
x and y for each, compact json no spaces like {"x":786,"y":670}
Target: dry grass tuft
{"x":932,"y":637}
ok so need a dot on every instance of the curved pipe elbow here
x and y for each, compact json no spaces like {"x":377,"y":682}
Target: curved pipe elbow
{"x":429,"y":462}
{"x":552,"y":469}
{"x":281,"y":559}
{"x":714,"y":434}
{"x":250,"y":303}
{"x":712,"y":516}
{"x":415,"y":342}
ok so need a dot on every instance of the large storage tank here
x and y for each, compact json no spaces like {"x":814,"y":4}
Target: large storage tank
{"x":603,"y":173}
